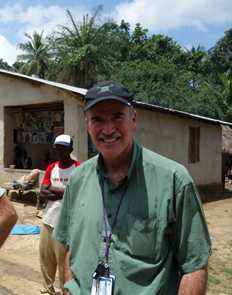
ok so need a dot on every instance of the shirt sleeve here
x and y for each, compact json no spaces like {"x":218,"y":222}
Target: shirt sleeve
{"x":193,"y":245}
{"x":47,"y":176}
{"x":61,"y":230}
{"x":77,"y":163}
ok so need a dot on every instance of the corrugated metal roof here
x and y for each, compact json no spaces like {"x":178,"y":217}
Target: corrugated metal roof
{"x":181,"y":114}
{"x":139,"y":104}
{"x":77,"y":90}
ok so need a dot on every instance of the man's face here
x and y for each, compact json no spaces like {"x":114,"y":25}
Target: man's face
{"x":62,"y":152}
{"x":110,"y":125}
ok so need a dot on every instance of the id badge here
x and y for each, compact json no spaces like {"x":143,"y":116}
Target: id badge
{"x":103,"y":285}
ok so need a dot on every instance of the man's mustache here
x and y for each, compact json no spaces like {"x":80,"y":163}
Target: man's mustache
{"x":114,"y":135}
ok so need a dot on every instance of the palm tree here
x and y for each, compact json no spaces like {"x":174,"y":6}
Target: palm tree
{"x":36,"y":57}
{"x":81,"y":51}
{"x":196,"y":63}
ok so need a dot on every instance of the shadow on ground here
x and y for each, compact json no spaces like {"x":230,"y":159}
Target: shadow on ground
{"x":215,"y":194}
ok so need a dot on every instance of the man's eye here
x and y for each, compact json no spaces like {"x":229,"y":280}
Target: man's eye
{"x":118,"y":117}
{"x":96,"y":120}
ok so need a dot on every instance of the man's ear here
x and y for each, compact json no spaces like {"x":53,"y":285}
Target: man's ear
{"x":134,"y":116}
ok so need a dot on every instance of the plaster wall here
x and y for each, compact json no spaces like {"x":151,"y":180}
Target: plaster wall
{"x":23,"y":92}
{"x":74,"y":124}
{"x":169,"y":135}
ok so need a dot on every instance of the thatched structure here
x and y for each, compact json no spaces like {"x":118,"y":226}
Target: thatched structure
{"x":227,"y":139}
{"x":226,"y":152}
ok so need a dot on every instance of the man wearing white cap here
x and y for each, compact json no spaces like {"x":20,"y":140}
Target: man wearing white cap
{"x":53,"y":185}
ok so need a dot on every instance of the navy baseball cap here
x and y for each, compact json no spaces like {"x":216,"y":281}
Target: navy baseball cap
{"x":107,"y":90}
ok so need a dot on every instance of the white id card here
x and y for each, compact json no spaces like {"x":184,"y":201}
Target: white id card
{"x":102,"y":286}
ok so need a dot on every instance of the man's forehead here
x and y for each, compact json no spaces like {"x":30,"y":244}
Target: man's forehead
{"x":61,"y":147}
{"x":110,"y":106}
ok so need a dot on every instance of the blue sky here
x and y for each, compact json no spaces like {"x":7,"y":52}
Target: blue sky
{"x":189,"y":22}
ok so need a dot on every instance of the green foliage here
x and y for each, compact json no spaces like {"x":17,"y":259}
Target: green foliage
{"x":4,"y":65}
{"x":80,"y":50}
{"x":165,"y":85}
{"x":35,"y":58}
{"x":155,"y":67}
{"x":221,"y":53}
{"x":17,"y":65}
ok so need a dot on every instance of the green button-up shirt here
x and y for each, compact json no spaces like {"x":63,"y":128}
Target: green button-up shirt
{"x":160,"y":232}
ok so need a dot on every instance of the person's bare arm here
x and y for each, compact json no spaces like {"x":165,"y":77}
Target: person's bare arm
{"x":48,"y":193}
{"x":8,"y":218}
{"x":67,"y":271}
{"x":194,"y":283}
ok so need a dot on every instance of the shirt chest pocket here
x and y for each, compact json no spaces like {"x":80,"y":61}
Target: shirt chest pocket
{"x":139,"y":236}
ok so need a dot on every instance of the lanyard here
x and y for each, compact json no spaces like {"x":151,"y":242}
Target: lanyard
{"x":107,"y":238}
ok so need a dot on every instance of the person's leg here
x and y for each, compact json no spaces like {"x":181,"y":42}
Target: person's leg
{"x":60,"y":255}
{"x":47,"y":259}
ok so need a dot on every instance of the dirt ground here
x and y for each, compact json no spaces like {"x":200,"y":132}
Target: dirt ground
{"x":19,"y":265}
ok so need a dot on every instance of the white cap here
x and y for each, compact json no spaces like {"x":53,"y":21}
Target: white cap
{"x":64,"y":140}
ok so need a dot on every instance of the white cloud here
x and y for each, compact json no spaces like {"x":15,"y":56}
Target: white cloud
{"x":37,"y":18}
{"x":29,"y":19}
{"x":165,"y":15}
{"x":47,"y":19}
{"x":156,"y":15}
{"x":8,"y":51}
{"x":10,"y":13}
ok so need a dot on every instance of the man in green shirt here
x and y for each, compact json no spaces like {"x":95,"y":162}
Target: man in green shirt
{"x":131,"y":220}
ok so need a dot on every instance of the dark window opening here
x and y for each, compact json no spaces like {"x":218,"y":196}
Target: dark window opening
{"x":194,"y":144}
{"x":29,"y":133}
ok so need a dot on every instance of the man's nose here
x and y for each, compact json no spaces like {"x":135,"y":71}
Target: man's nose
{"x":109,"y":127}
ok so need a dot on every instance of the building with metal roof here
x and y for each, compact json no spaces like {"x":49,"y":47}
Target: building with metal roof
{"x":33,"y":111}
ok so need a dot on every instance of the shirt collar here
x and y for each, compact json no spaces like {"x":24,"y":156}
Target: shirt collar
{"x":135,"y":155}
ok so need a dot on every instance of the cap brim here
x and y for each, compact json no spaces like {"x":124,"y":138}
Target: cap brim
{"x":66,"y":144}
{"x":93,"y":102}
